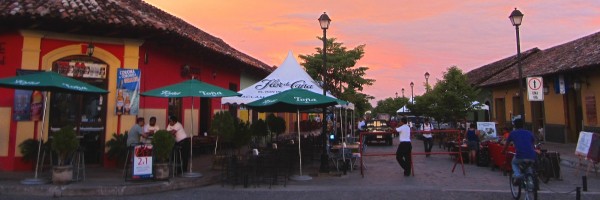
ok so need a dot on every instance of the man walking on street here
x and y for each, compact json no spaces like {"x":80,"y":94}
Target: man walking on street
{"x":405,"y":147}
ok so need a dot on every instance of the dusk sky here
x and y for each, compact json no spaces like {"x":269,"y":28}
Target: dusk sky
{"x":404,"y":39}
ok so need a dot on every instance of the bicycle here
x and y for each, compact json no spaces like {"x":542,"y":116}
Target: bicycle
{"x":528,"y":183}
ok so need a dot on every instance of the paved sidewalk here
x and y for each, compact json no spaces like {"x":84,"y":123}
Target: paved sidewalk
{"x":107,"y":182}
{"x":383,"y":173}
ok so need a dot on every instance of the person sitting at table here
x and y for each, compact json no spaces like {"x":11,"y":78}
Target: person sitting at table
{"x":136,"y":131}
{"x":472,"y":142}
{"x":505,"y":134}
{"x":150,"y":129}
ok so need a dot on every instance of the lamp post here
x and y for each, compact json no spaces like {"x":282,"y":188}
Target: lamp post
{"x":516,"y":17}
{"x":412,"y":94}
{"x":324,"y":21}
{"x":426,"y":81}
{"x":402,"y":92}
{"x":396,"y":95}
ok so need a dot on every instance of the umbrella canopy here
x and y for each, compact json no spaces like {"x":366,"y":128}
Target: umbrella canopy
{"x":190,"y":88}
{"x":49,"y":81}
{"x":292,"y":100}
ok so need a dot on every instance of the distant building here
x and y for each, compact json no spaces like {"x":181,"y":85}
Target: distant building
{"x":571,"y":77}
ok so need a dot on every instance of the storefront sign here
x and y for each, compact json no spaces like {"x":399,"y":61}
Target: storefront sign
{"x":128,"y":91}
{"x":81,"y":69}
{"x":142,"y":162}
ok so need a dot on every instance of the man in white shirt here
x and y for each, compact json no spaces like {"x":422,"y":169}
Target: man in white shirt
{"x":150,"y":129}
{"x":183,"y":141}
{"x":427,"y":137}
{"x":405,"y":147}
{"x":361,"y":124}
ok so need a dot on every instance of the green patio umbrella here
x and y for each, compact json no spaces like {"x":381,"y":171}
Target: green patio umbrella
{"x":191,"y":88}
{"x":47,"y":82}
{"x":293,"y":100}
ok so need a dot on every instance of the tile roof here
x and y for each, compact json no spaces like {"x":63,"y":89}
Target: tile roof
{"x":482,"y":74}
{"x":129,"y":16}
{"x":578,"y":54}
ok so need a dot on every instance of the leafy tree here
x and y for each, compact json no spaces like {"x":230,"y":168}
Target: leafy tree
{"x":344,"y":80}
{"x":451,"y":98}
{"x":390,"y":105}
{"x":223,"y":126}
{"x":242,"y":133}
{"x":259,"y":128}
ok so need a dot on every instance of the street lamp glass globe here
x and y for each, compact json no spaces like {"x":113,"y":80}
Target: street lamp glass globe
{"x":412,"y":84}
{"x":426,"y":75}
{"x":324,"y":21}
{"x":516,"y":17}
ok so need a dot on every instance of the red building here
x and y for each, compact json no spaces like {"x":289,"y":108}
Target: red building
{"x":126,"y":34}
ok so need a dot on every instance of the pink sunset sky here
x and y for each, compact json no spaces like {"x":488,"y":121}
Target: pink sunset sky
{"x":404,"y":39}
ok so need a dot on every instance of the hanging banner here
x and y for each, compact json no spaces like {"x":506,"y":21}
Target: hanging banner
{"x":128,"y":91}
{"x":142,"y":162}
{"x":28,"y":105}
{"x":81,"y":69}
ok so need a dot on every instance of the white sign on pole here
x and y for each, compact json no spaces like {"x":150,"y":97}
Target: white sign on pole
{"x":535,"y":91}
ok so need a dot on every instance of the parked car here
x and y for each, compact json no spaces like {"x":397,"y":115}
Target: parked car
{"x":384,"y":132}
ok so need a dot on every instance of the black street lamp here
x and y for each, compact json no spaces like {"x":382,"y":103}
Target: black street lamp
{"x":516,"y":17}
{"x":427,"y":81}
{"x":412,"y":94}
{"x":324,"y":21}
{"x":402,"y":92}
{"x":396,"y":95}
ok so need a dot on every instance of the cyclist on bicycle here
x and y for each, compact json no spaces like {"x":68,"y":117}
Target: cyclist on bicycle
{"x":524,"y":146}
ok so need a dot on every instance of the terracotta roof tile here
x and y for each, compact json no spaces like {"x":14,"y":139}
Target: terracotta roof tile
{"x":132,"y":14}
{"x":578,"y":54}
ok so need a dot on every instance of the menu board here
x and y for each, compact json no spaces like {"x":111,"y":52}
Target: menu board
{"x":142,"y":162}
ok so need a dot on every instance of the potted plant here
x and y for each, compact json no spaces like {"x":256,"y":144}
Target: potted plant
{"x":223,"y":127}
{"x":242,"y":134}
{"x":162,"y":143}
{"x":29,"y":150}
{"x":117,"y":148}
{"x":259,"y":128}
{"x":64,"y":144}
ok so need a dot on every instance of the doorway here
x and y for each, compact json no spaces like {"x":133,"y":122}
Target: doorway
{"x":86,"y":113}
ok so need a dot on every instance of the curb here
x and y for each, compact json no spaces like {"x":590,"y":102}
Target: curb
{"x":99,"y":190}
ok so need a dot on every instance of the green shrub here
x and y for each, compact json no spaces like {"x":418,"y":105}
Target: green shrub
{"x":259,"y":128}
{"x":117,"y":147}
{"x":162,"y":144}
{"x":64,"y":143}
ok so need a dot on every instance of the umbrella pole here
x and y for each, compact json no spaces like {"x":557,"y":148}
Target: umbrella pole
{"x":300,"y":177}
{"x":191,"y":174}
{"x":36,"y":180}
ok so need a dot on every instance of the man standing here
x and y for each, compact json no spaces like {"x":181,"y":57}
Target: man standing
{"x":136,"y":131}
{"x":427,"y":137}
{"x":182,"y":139}
{"x":405,"y":147}
{"x":361,"y":124}
{"x":525,"y":152}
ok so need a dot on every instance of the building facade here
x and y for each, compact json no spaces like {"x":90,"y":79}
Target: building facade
{"x":123,"y":34}
{"x":571,"y":84}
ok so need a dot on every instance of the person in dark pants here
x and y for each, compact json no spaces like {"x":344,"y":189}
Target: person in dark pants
{"x":405,"y":147}
{"x":182,"y":139}
{"x":427,"y":137}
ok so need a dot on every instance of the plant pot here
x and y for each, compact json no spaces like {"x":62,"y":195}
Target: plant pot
{"x":161,"y":171}
{"x":62,"y":174}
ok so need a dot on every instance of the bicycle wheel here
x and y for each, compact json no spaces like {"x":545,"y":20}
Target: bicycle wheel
{"x":544,"y":170}
{"x":530,"y":188}
{"x":515,"y":190}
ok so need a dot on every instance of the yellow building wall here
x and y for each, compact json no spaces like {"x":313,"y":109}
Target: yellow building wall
{"x":4,"y":130}
{"x":553,"y":106}
{"x":591,"y":87}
